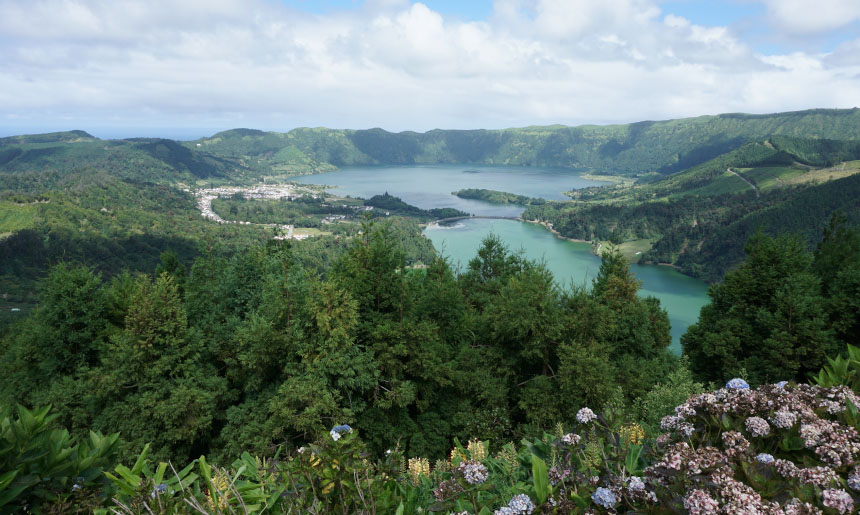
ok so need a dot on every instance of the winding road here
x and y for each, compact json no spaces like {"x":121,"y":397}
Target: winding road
{"x":753,"y":186}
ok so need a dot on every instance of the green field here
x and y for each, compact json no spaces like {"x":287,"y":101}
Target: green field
{"x":839,"y":171}
{"x":768,"y":177}
{"x":14,"y":217}
{"x":632,"y":250}
{"x":725,"y":183}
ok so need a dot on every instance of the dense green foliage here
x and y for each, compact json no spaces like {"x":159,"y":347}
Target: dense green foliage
{"x":33,"y":163}
{"x":393,"y":205}
{"x":666,"y":146}
{"x":499,"y":197}
{"x":718,"y":451}
{"x":700,"y":219}
{"x":782,"y":311}
{"x":110,"y":224}
{"x":258,"y":350}
{"x":40,"y":464}
{"x":305,"y":211}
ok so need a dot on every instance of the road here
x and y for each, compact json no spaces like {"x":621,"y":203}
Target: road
{"x":743,"y":179}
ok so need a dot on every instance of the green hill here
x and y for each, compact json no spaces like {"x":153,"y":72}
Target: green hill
{"x":38,"y":163}
{"x":780,"y":155}
{"x":664,"y":146}
{"x":699,"y":219}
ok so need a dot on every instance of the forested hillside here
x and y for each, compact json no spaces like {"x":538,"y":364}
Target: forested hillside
{"x":665,"y":146}
{"x":261,"y":349}
{"x":699,"y":219}
{"x":324,"y":383}
{"x":40,"y":162}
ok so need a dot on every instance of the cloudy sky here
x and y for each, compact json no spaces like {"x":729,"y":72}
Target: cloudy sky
{"x":185,"y":68}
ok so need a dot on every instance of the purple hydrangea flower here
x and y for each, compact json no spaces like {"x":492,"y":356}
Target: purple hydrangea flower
{"x":737,"y":384}
{"x":604,"y":497}
{"x":585,"y":415}
{"x":764,"y":458}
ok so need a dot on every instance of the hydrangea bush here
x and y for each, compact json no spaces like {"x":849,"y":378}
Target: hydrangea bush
{"x":776,"y":449}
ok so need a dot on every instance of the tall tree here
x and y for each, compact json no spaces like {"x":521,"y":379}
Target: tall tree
{"x":767,"y":317}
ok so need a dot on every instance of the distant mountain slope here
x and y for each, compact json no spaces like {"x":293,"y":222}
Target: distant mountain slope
{"x":711,"y":251}
{"x":49,"y":137}
{"x":39,"y":162}
{"x":721,"y":174}
{"x":664,"y":146}
{"x":699,"y":219}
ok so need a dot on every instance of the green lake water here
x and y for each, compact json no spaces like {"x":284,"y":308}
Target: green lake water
{"x":573,"y":263}
{"x":431,"y":186}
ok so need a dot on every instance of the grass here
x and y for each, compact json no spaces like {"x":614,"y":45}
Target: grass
{"x":769,"y":177}
{"x":624,"y":180}
{"x":309,"y":231}
{"x":14,"y":217}
{"x":725,"y":183}
{"x":632,"y":250}
{"x":827,"y":174}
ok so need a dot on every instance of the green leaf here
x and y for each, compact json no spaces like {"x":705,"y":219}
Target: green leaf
{"x":540,"y":478}
{"x":141,"y":460}
{"x":159,"y":474}
{"x":7,"y":478}
{"x":400,"y":509}
{"x":130,"y":477}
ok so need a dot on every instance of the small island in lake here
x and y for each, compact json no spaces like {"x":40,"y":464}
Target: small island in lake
{"x":498,"y":197}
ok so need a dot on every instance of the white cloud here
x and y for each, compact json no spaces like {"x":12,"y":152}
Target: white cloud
{"x":394,"y":64}
{"x":809,"y":17}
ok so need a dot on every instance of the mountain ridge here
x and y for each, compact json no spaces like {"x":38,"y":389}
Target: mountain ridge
{"x":665,"y":146}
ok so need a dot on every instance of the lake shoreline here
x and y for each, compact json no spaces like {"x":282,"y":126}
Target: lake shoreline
{"x":548,"y":226}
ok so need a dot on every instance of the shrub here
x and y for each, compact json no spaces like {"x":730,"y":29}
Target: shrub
{"x":44,"y":466}
{"x":778,"y":447}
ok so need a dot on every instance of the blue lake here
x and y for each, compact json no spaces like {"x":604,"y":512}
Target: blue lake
{"x":571,"y":262}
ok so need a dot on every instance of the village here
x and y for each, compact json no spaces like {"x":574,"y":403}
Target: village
{"x":273,"y":192}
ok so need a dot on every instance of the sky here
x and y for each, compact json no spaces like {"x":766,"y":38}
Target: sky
{"x":188,"y":68}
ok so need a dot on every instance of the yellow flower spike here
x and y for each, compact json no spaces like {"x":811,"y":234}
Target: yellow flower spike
{"x":221,"y":482}
{"x":456,"y":454}
{"x":632,"y":433}
{"x":418,"y":467}
{"x":477,"y":450}
{"x":328,"y":488}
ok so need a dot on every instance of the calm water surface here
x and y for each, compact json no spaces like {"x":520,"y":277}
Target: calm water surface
{"x":573,"y":263}
{"x":431,"y":186}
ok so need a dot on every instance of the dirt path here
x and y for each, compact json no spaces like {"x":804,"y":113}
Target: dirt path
{"x":744,"y":179}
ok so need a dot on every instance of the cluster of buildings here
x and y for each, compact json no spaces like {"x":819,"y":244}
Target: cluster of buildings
{"x":265,"y":192}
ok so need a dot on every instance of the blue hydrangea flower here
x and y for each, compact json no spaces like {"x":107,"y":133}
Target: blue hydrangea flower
{"x":781,"y":384}
{"x":604,"y":497}
{"x":764,"y":458}
{"x":337,"y":431}
{"x":737,"y":384}
{"x":521,"y":505}
{"x":158,"y":490}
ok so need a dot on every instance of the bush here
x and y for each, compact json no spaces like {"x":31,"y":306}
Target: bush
{"x":779,"y":447}
{"x":41,"y":466}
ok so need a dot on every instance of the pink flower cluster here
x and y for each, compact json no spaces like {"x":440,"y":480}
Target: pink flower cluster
{"x":705,"y":460}
{"x":839,"y":500}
